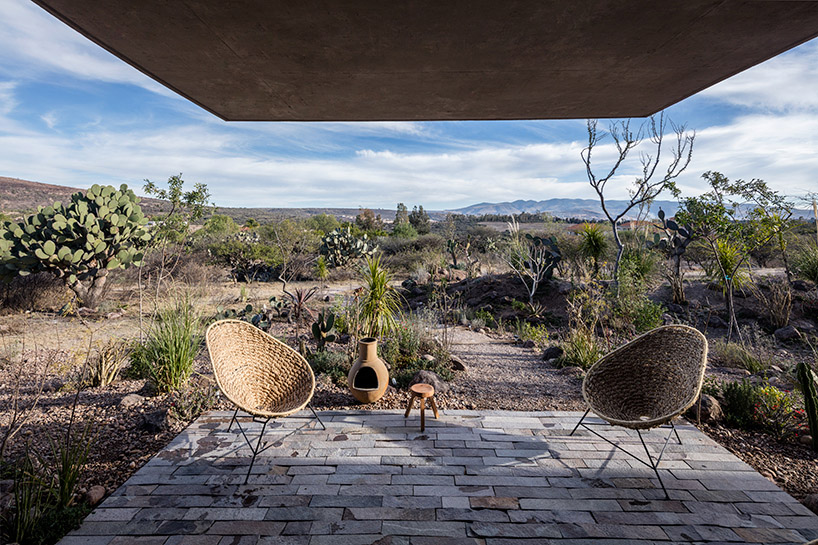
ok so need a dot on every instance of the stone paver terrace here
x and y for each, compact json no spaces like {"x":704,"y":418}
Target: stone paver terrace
{"x":473,"y":477}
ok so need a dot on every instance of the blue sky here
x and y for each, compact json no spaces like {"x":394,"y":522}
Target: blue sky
{"x":72,"y":114}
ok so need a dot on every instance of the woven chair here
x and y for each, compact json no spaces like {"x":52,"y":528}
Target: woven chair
{"x":260,"y":375}
{"x":647,"y":383}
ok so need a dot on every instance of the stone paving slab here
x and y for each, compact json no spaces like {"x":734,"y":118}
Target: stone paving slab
{"x":473,"y":477}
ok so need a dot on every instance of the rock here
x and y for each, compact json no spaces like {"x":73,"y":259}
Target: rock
{"x":427,"y":357}
{"x":53,"y":385}
{"x":95,"y":495}
{"x":801,"y":285}
{"x":804,"y":326}
{"x":529,"y":344}
{"x":811,"y":502}
{"x":786,"y":333}
{"x":675,"y":308}
{"x":552,"y":352}
{"x":711,"y":410}
{"x":148,"y":390}
{"x":716,"y":321}
{"x":805,"y":440}
{"x":155,"y":421}
{"x":779,"y":383}
{"x":114,"y":315}
{"x":457,"y":364}
{"x":130,"y":401}
{"x":430,"y":377}
{"x":776,"y":368}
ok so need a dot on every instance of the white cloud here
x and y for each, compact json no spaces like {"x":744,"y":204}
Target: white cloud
{"x":786,"y":82}
{"x":36,"y":44}
{"x":7,"y":100}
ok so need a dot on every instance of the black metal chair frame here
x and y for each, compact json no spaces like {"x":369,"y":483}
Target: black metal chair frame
{"x":651,"y":463}
{"x":259,"y":448}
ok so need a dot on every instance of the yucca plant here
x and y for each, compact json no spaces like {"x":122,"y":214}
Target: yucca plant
{"x":380,"y":303}
{"x":594,"y":244}
{"x":172,"y":344}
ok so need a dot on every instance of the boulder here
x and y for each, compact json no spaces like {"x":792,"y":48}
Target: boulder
{"x":155,"y":421}
{"x":552,"y":352}
{"x":716,"y":321}
{"x":805,"y":440}
{"x":811,"y":502}
{"x":130,"y":401}
{"x":711,"y":410}
{"x":457,"y":364}
{"x":53,"y":385}
{"x":804,"y":326}
{"x":787,"y":333}
{"x":675,"y":308}
{"x":802,"y":285}
{"x":95,"y":495}
{"x":529,"y":344}
{"x":430,"y":377}
{"x":427,"y":357}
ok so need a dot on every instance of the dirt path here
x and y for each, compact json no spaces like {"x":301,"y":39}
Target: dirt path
{"x":503,"y":375}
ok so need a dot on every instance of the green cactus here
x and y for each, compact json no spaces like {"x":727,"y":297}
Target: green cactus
{"x":82,"y":241}
{"x":809,"y":386}
{"x":322,"y":328}
{"x":674,"y":244}
{"x":339,"y":247}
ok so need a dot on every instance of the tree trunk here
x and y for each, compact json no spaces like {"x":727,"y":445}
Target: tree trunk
{"x":620,"y":249}
{"x":91,"y":295}
{"x":677,"y":281}
{"x":731,"y":311}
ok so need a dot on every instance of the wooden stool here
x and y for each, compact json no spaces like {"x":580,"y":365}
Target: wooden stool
{"x":424,"y":392}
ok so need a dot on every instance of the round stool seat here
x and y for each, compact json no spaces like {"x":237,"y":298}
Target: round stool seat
{"x":422,"y":390}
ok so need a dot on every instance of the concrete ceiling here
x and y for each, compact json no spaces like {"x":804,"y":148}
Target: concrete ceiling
{"x":367,"y":60}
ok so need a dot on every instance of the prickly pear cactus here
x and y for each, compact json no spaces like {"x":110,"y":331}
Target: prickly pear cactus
{"x":96,"y":232}
{"x":809,"y":385}
{"x":322,"y":330}
{"x":339,"y":247}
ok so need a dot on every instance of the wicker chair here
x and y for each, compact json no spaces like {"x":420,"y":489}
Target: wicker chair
{"x":647,"y":383}
{"x":260,"y":375}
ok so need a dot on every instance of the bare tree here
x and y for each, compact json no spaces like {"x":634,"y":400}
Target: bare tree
{"x":653,"y":180}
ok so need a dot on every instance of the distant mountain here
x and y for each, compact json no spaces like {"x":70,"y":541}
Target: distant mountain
{"x":576,"y":208}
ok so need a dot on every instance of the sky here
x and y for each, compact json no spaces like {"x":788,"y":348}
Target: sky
{"x":73,"y":114}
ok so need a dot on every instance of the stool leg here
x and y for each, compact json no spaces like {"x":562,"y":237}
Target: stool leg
{"x":434,"y":407}
{"x":422,"y":414}
{"x":409,"y":406}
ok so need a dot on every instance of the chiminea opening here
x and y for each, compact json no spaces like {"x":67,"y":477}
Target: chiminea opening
{"x":366,"y":379}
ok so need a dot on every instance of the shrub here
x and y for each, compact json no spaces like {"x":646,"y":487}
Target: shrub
{"x":486,"y":316}
{"x":775,"y":412}
{"x":191,"y":401}
{"x":519,"y":306}
{"x":632,"y":304}
{"x":106,"y":360}
{"x":172,"y":344}
{"x":321,"y":270}
{"x":729,"y":255}
{"x":40,"y":291}
{"x":530,"y":332}
{"x":730,"y":354}
{"x":333,"y":364}
{"x":777,"y":302}
{"x":594,"y":244}
{"x":805,"y":263}
{"x":740,"y":399}
{"x":404,"y":374}
{"x":404,"y":230}
{"x":641,"y":263}
{"x":580,"y":348}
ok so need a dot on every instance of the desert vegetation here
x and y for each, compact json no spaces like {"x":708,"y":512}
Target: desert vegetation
{"x":104,"y":310}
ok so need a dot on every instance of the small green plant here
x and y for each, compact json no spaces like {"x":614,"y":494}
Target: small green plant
{"x":31,"y":501}
{"x":775,"y":412}
{"x":333,"y":364}
{"x":380,"y":303}
{"x":580,"y":348}
{"x":519,"y":306}
{"x":806,"y":263}
{"x":730,"y":354}
{"x":321,"y":270}
{"x":322,"y":330}
{"x":105,"y":362}
{"x":740,"y":399}
{"x":777,"y":301}
{"x":190,"y":402}
{"x":631,"y":303}
{"x":67,"y":461}
{"x":172,"y":344}
{"x":727,"y":257}
{"x":809,"y":387}
{"x":530,"y":332}
{"x":486,"y":316}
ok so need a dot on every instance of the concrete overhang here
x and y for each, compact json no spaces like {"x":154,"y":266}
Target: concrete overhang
{"x":369,"y":60}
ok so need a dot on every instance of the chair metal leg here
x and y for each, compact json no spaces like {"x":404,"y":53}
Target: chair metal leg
{"x":315,"y":414}
{"x":654,"y":465}
{"x":235,"y":413}
{"x":580,"y":422}
{"x":256,"y":450}
{"x":679,"y":439}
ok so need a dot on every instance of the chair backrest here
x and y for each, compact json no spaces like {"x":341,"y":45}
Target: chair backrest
{"x":651,"y":379}
{"x":257,"y":372}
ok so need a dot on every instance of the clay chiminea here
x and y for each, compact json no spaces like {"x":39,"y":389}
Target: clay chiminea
{"x":368,"y":378}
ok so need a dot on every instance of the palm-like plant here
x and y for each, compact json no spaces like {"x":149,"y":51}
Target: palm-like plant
{"x":594,"y":243}
{"x":380,"y":303}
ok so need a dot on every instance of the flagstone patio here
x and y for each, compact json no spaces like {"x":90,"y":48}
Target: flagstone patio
{"x":486,"y":477}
